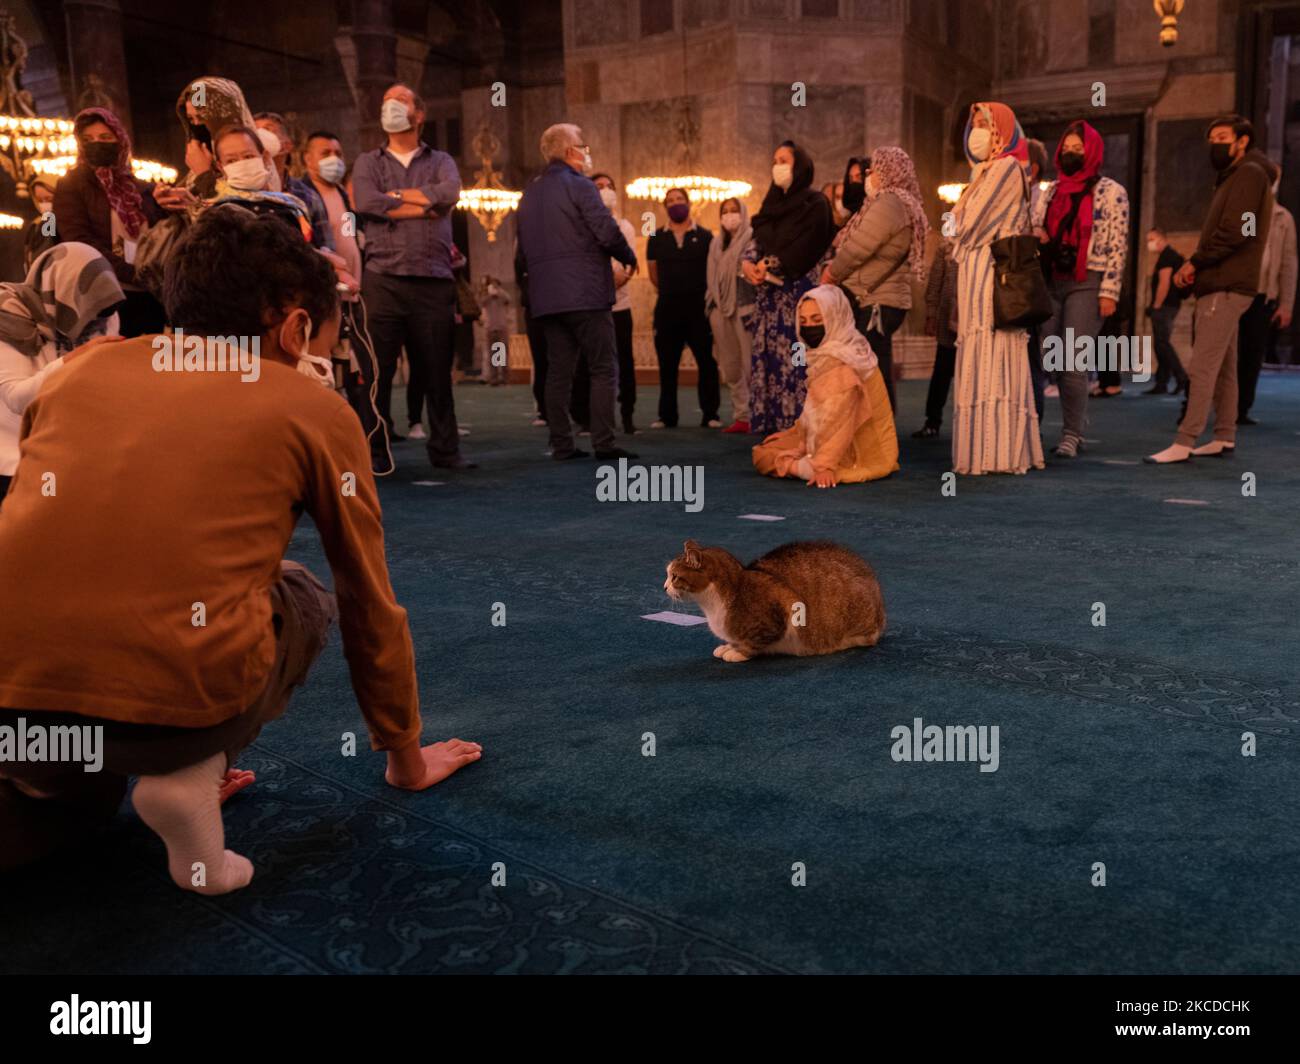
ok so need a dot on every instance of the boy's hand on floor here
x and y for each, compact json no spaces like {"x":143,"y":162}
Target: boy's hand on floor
{"x":417,"y":767}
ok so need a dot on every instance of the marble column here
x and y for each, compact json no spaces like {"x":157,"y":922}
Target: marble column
{"x":97,"y":56}
{"x":375,"y":44}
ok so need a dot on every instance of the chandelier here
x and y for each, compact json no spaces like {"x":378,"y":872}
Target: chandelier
{"x":58,"y":165}
{"x":487,"y":199}
{"x":699,"y":187}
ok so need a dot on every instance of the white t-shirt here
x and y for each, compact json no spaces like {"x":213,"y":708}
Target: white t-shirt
{"x":403,"y":157}
{"x":623,"y":295}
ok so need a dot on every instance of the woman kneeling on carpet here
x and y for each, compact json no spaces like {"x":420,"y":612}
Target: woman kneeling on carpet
{"x":846,"y":431}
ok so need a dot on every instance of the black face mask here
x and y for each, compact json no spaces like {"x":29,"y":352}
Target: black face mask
{"x":1221,"y":156}
{"x":98,"y":153}
{"x":1071,"y":162}
{"x":855,"y":195}
{"x":812,"y":335}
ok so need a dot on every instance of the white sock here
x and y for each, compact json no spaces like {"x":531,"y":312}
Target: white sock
{"x":184,"y":808}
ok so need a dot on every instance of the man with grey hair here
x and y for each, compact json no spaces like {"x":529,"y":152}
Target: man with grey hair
{"x":567,"y":237}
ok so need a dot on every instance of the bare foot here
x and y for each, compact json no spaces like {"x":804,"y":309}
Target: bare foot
{"x":232,"y":873}
{"x":732,"y":654}
{"x":438,"y":761}
{"x":184,"y":809}
{"x":234,"y":781}
{"x":721,"y":650}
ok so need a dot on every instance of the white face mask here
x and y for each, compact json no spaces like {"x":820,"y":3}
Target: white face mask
{"x":731,"y":221}
{"x":980,"y":143}
{"x":782,"y":175}
{"x":248,"y":175}
{"x":394,"y":117}
{"x":1152,"y":246}
{"x":319,"y":369}
{"x":609,"y":198}
{"x":586,"y":162}
{"x":332,"y":169}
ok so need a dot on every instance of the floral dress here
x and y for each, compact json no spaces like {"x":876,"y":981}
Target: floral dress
{"x":777,"y":386}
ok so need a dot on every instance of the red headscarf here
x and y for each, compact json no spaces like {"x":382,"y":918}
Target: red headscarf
{"x":1080,"y":183}
{"x":117,"y":181}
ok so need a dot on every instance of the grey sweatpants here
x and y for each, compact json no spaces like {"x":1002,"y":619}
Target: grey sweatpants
{"x":731,"y":347}
{"x":1074,"y":306}
{"x":1212,"y":371}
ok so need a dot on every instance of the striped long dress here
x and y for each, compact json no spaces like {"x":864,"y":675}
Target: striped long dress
{"x":995,"y":426}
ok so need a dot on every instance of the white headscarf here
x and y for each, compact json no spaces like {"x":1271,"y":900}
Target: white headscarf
{"x":843,"y":341}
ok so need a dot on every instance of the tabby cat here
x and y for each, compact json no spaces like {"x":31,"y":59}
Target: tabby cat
{"x":802,"y":598}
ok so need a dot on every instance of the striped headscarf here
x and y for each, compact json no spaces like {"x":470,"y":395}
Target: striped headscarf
{"x":68,"y":295}
{"x":117,"y":181}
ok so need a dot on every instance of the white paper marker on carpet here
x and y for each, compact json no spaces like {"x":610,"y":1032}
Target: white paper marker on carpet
{"x":760,"y":517}
{"x":428,"y":483}
{"x":1188,"y":502}
{"x":669,"y":617}
{"x":1116,"y":461}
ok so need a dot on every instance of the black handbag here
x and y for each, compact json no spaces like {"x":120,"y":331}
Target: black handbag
{"x":1020,"y":297}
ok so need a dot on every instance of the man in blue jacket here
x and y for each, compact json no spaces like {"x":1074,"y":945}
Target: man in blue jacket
{"x":567,"y":237}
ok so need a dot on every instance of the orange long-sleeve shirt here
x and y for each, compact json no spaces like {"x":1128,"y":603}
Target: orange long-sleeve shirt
{"x":147,"y":501}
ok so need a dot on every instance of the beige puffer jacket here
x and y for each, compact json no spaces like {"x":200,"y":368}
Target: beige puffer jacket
{"x":867,"y":254}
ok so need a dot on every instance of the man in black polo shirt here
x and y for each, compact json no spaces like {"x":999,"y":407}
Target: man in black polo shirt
{"x":678,"y":258}
{"x":1166,"y":298}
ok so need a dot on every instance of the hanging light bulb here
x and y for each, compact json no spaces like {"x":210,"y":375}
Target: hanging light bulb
{"x":1168,"y":10}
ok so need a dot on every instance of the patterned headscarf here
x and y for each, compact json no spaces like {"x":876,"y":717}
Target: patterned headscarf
{"x":117,"y":181}
{"x":895,"y":173}
{"x":223,"y":105}
{"x":65,"y":300}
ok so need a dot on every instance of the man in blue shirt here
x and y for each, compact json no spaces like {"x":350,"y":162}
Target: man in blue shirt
{"x":404,"y":194}
{"x":567,"y":237}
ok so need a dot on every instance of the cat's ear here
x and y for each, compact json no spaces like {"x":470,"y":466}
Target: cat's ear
{"x":691,"y":554}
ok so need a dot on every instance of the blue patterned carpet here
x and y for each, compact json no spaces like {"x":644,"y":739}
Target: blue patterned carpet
{"x":1119,"y":745}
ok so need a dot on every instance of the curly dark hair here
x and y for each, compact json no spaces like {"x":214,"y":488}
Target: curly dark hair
{"x":239,"y":273}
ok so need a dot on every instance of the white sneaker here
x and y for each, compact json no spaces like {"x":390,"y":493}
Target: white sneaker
{"x":416,"y":432}
{"x":657,"y":425}
{"x":714,"y":423}
{"x":1051,"y":392}
{"x":462,"y":432}
{"x":539,"y":420}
